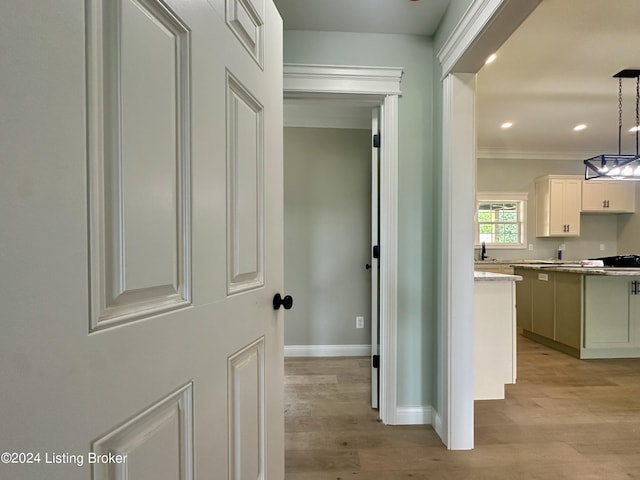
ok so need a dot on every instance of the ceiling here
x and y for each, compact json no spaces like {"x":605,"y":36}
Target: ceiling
{"x":364,"y":16}
{"x":552,"y":74}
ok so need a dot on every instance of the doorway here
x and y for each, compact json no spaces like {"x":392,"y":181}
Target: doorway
{"x":328,"y":234}
{"x":372,"y":86}
{"x":481,"y":29}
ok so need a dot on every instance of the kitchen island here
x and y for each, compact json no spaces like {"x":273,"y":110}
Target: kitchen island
{"x":494,"y":334}
{"x":587,"y":312}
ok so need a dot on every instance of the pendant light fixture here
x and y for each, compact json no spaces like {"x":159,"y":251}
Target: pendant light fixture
{"x":610,"y":166}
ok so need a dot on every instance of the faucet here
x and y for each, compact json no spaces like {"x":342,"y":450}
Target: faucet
{"x":483,"y":253}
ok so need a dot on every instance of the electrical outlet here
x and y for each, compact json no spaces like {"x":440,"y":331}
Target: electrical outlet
{"x":531,"y":247}
{"x":602,"y":247}
{"x":359,"y":322}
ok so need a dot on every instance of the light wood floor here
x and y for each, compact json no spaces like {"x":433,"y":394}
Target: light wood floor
{"x":564,"y":419}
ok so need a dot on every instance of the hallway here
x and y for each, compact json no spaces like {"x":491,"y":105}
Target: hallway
{"x":564,"y":419}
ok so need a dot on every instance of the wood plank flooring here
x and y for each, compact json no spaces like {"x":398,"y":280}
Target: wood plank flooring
{"x":564,"y":419}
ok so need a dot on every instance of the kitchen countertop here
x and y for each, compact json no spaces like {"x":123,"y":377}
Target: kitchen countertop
{"x":493,"y":277}
{"x":577,"y":268}
{"x":495,"y":261}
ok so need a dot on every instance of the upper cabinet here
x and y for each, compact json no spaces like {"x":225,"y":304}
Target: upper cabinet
{"x":608,"y":197}
{"x":558,"y":205}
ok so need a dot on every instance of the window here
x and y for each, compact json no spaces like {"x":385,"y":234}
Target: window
{"x":501,"y":220}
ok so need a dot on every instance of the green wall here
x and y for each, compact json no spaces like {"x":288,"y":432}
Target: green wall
{"x":327,"y":234}
{"x":417,"y":182}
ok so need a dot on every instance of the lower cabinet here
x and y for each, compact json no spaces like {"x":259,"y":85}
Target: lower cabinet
{"x":523,"y":298}
{"x":494,"y":340}
{"x":568,"y":308}
{"x":611,"y":312}
{"x":587,"y":316}
{"x":542,"y":313}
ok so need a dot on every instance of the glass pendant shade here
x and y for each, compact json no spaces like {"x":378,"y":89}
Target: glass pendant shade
{"x":612,"y":167}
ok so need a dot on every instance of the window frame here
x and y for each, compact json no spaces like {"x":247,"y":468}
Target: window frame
{"x":515,"y":197}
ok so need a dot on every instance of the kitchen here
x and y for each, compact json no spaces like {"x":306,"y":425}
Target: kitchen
{"x":545,"y":105}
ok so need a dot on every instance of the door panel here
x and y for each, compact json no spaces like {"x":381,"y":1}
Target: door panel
{"x":119,"y":331}
{"x":158,"y":443}
{"x":246,"y":412}
{"x":245,"y":18}
{"x":139,"y":162}
{"x":245,"y":170}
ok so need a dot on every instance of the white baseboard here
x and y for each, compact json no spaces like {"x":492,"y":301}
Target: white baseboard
{"x":327,"y":350}
{"x":414,"y":416}
{"x":437,"y":424}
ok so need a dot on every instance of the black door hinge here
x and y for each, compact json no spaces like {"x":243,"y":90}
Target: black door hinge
{"x":375,"y":361}
{"x":376,"y":251}
{"x":376,"y":140}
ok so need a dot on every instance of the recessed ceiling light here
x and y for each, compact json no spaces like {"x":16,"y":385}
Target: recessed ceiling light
{"x":491,"y":58}
{"x":506,"y":125}
{"x":582,"y":126}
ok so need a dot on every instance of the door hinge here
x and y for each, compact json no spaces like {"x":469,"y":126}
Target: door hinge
{"x":375,"y":361}
{"x":376,"y":140}
{"x":376,"y":251}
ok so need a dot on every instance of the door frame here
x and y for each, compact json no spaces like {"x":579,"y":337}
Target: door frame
{"x":484,"y":26}
{"x":379,"y":86}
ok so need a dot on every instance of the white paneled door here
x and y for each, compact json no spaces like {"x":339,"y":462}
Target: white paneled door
{"x":141,"y":240}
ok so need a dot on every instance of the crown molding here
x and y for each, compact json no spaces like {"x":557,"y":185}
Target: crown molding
{"x":465,"y":32}
{"x":341,"y":79}
{"x":498,"y":154}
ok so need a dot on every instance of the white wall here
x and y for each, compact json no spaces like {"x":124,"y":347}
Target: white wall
{"x":505,"y":175}
{"x":327,"y":225}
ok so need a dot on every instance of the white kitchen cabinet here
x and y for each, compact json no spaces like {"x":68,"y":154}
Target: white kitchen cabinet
{"x":558,"y":205}
{"x":608,"y":197}
{"x":494,"y":338}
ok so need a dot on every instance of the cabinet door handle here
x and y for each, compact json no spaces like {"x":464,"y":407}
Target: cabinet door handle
{"x":604,"y":204}
{"x":607,"y":203}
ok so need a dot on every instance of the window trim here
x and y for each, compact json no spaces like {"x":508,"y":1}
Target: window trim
{"x":519,"y":197}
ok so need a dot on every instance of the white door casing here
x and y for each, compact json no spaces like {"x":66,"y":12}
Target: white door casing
{"x":141,"y":202}
{"x":375,"y":264}
{"x":381,"y":87}
{"x":481,"y":30}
